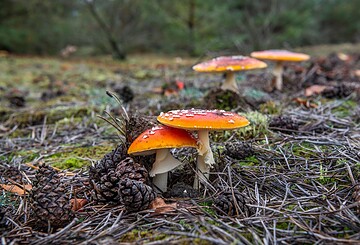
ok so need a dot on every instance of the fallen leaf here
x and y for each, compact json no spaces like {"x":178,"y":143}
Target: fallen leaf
{"x":16,"y":189}
{"x":77,"y":203}
{"x":305,"y":103}
{"x":157,"y":90}
{"x":357,"y":73}
{"x":314,"y":89}
{"x":343,"y":57}
{"x":180,"y":84}
{"x":160,"y":207}
{"x":170,"y":92}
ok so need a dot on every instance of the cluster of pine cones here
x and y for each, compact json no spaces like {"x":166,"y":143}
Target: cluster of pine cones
{"x":118,"y":179}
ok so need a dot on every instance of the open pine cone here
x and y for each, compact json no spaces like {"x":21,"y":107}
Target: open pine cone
{"x":131,"y":170}
{"x":50,"y":201}
{"x":135,"y":194}
{"x":103,"y":177}
{"x":233,"y":203}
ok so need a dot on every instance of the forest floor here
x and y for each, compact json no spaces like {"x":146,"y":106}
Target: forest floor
{"x":297,"y":164}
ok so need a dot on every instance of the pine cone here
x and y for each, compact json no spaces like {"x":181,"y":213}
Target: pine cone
{"x":226,"y":203}
{"x":239,"y":150}
{"x":103,"y":177}
{"x":135,"y":195}
{"x":11,"y":173}
{"x":131,"y":170}
{"x":283,"y":122}
{"x":138,"y":124}
{"x":50,"y":200}
{"x":338,"y":91}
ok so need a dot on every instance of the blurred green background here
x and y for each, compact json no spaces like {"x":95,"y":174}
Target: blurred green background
{"x":194,"y":27}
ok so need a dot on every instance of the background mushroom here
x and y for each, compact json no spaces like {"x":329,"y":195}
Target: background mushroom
{"x":203,"y":121}
{"x":229,"y":65}
{"x":159,"y":140}
{"x":279,"y":56}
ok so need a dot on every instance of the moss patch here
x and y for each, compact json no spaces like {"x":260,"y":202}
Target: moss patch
{"x":345,"y":109}
{"x":258,"y":125}
{"x":148,"y":235}
{"x":78,"y":157}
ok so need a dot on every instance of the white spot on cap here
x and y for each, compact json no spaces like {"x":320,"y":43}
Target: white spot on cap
{"x":145,"y":136}
{"x":152,"y":132}
{"x":231,"y":121}
{"x":156,"y":128}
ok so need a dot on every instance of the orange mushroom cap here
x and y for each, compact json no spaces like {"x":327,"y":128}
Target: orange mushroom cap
{"x":279,"y":55}
{"x":197,"y":119}
{"x":229,"y":63}
{"x":160,"y":137}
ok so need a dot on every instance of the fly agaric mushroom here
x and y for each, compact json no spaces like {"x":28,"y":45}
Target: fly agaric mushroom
{"x":159,"y":140}
{"x":229,"y":65}
{"x":203,"y":121}
{"x":280,"y":56}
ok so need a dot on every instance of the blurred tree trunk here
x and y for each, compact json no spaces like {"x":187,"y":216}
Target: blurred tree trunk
{"x":118,"y":52}
{"x":191,"y":27}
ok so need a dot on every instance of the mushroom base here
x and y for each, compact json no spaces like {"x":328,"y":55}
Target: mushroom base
{"x":205,"y":159}
{"x":164,"y":163}
{"x":230,"y":83}
{"x":278,"y":73}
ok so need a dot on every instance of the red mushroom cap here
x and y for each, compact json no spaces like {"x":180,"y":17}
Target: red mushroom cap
{"x":197,"y":119}
{"x":160,"y":137}
{"x":279,"y":55}
{"x":229,"y":63}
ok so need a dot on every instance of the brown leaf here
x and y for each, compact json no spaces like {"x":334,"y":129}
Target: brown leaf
{"x":16,"y":189}
{"x":357,"y":73}
{"x":314,"y":89}
{"x":157,"y":90}
{"x":77,"y":203}
{"x":161,"y":207}
{"x":305,"y":103}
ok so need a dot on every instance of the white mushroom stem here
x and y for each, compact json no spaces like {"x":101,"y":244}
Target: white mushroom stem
{"x":278,"y":73}
{"x":164,"y":163}
{"x":205,"y":159}
{"x":230,"y":82}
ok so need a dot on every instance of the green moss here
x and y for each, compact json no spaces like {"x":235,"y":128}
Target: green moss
{"x":136,"y":234}
{"x":285,"y":225}
{"x":270,"y":107}
{"x":27,"y":156}
{"x":345,"y":109}
{"x":5,"y":114}
{"x":324,"y":178}
{"x":249,"y":161}
{"x":78,"y":157}
{"x":258,"y":125}
{"x":206,"y":207}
